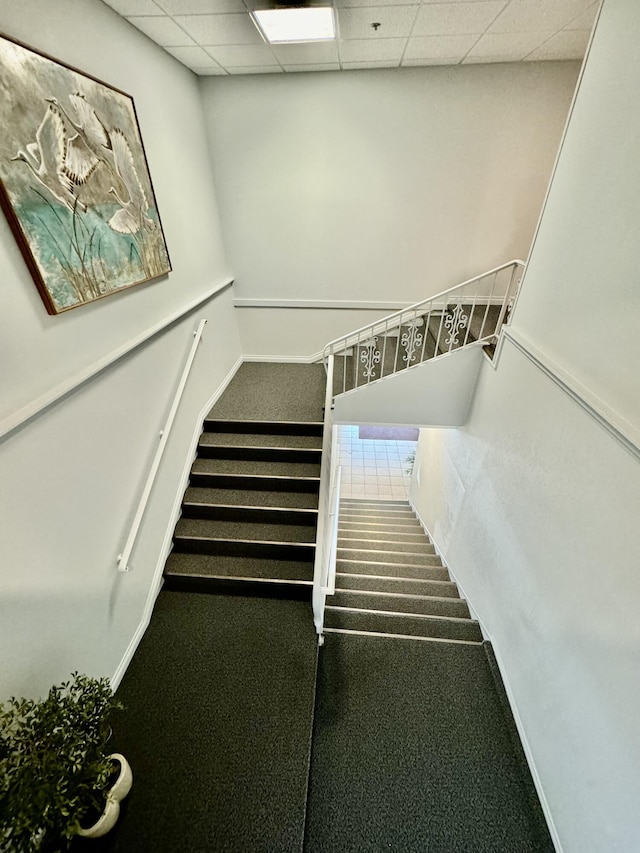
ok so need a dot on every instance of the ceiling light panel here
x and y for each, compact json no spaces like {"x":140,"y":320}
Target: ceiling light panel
{"x":285,"y":26}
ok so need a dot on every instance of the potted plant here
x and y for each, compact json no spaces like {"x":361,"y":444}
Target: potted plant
{"x":54,"y":768}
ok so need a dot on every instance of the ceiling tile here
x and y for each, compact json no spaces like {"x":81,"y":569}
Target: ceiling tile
{"x":220,"y":29}
{"x":434,"y":47}
{"x":164,"y":31}
{"x":456,"y":18}
{"x":353,"y":66}
{"x":568,"y":44}
{"x":445,"y":60}
{"x":135,"y":7}
{"x":192,"y":56}
{"x":344,"y":4}
{"x":257,"y":69}
{"x":485,"y":60}
{"x":210,"y":72}
{"x":527,"y":15}
{"x":240,"y":55}
{"x":371,"y":50}
{"x":306,"y":54}
{"x":323,"y":66}
{"x":201,"y":7}
{"x":506,"y":47}
{"x":394,"y":21}
{"x":585,"y":21}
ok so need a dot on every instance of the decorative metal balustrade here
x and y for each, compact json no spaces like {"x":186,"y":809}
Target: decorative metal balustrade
{"x":469,"y":313}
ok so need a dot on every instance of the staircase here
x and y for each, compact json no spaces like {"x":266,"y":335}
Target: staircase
{"x":469,"y":313}
{"x":249,"y":514}
{"x":390,"y":581}
{"x":414,"y":342}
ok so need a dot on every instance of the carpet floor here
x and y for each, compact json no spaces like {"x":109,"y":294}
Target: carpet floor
{"x":274,"y":392}
{"x":217,"y":728}
{"x":412,"y":753}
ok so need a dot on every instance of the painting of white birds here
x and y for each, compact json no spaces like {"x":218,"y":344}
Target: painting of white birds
{"x":74,"y":181}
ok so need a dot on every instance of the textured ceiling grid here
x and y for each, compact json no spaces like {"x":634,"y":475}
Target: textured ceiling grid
{"x":217,"y":37}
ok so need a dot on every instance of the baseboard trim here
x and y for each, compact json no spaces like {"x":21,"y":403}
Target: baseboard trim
{"x":509,"y":693}
{"x":63,"y":389}
{"x":322,"y":304}
{"x":286,"y":359}
{"x":157,"y":581}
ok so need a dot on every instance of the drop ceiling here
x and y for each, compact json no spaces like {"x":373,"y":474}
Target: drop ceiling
{"x":218,"y":37}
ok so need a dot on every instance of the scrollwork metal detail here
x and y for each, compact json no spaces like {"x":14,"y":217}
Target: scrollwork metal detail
{"x":455,"y":321}
{"x":369,"y":357}
{"x":411,"y":340}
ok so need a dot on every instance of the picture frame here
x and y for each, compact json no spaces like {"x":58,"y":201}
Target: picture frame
{"x":74,"y":181}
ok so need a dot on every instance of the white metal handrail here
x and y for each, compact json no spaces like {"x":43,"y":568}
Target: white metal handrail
{"x":123,"y":558}
{"x":329,"y":585}
{"x":429,"y":328}
{"x":325,"y":533}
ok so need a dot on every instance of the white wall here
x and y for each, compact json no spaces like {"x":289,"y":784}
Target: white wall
{"x":71,"y":476}
{"x":380,"y":184}
{"x":535,"y":503}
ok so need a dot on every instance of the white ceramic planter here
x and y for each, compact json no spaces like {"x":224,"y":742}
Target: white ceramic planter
{"x":117,"y":792}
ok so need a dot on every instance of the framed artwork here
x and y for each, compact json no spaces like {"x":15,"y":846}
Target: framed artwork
{"x":74,"y":181}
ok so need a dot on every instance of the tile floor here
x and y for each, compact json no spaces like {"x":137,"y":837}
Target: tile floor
{"x":373,"y":469}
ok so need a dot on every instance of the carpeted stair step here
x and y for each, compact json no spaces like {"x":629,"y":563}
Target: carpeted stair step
{"x":408,"y":625}
{"x":245,"y":530}
{"x":408,"y":586}
{"x":349,"y":522}
{"x":436,"y":571}
{"x":255,"y":467}
{"x":253,"y":497}
{"x":367,"y":555}
{"x":249,"y":514}
{"x":260,"y":439}
{"x":400,"y":602}
{"x":258,"y":427}
{"x":274,"y":541}
{"x":385,"y":536}
{"x":361,"y":503}
{"x":229,"y":575}
{"x":260,"y":454}
{"x":396,"y":548}
{"x":254,"y":482}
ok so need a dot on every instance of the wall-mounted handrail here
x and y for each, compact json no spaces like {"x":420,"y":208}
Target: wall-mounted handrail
{"x":398,"y":318}
{"x":123,"y":558}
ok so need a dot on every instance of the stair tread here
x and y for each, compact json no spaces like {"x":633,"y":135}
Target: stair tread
{"x":421,"y":586}
{"x":386,"y":546}
{"x":430,"y":605}
{"x":384,"y":557}
{"x":213,"y":565}
{"x":252,"y":497}
{"x":403,"y":623}
{"x":255,"y":467}
{"x":245,"y":531}
{"x":398,"y":570}
{"x":225,"y":439}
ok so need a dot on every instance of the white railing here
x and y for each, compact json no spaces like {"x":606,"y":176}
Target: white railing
{"x":123,"y":558}
{"x":471,"y":312}
{"x":329,"y":498}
